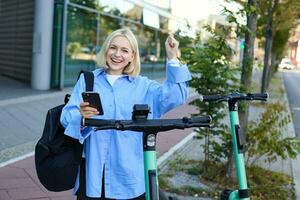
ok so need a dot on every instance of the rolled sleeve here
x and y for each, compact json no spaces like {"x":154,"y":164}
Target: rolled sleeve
{"x":174,"y":91}
{"x":177,"y":73}
{"x":74,"y":129}
{"x":71,"y":117}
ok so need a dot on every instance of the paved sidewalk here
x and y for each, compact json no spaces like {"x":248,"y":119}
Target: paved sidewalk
{"x":24,"y":118}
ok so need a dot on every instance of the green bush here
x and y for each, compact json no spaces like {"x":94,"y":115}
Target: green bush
{"x":265,"y":136}
{"x":213,"y":73}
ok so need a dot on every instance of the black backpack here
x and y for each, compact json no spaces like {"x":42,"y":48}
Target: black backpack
{"x":58,"y":156}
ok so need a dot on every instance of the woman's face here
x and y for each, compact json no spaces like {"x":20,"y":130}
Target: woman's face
{"x":118,"y":55}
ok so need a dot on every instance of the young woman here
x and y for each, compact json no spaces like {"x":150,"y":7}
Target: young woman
{"x":113,"y":166}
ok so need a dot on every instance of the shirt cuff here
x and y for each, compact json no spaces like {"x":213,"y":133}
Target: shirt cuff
{"x":177,"y":74}
{"x":174,"y":62}
{"x":74,"y":129}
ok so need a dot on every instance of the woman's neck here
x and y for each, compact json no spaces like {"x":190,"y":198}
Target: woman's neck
{"x":110,"y":72}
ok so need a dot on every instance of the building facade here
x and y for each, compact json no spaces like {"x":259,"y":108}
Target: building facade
{"x":47,"y":42}
{"x":16,"y":29}
{"x":294,"y":47}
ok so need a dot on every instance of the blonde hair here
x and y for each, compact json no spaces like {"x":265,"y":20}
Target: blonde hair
{"x":134,"y":68}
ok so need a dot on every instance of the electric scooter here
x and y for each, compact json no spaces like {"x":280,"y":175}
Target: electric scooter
{"x":238,"y":141}
{"x":150,"y":128}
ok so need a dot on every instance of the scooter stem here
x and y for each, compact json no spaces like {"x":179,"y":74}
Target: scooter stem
{"x":238,"y":149}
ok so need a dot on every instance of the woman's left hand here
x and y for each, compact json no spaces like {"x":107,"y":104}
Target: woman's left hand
{"x":172,"y":49}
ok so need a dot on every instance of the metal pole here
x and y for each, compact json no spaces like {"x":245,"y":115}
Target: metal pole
{"x":63,"y":44}
{"x":42,"y":45}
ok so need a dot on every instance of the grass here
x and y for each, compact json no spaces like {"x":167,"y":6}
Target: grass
{"x":263,"y":184}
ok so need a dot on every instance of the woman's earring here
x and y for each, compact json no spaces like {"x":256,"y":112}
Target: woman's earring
{"x":107,"y":65}
{"x":129,"y":68}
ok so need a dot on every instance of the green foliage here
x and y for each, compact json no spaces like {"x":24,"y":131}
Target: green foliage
{"x":232,"y":17}
{"x":286,"y":19}
{"x":73,"y":48}
{"x":264,"y":138}
{"x":213,"y":73}
{"x":286,"y":16}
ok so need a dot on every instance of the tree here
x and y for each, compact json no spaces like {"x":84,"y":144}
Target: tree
{"x":277,"y":19}
{"x":287,"y":15}
{"x":258,"y":13}
{"x":269,"y":34}
{"x":249,"y":33}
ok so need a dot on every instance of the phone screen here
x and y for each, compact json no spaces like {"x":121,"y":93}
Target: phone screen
{"x":94,"y":99}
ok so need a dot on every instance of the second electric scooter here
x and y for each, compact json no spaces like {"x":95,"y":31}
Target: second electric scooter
{"x":238,"y":141}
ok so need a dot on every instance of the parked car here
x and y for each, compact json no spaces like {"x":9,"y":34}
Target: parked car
{"x":286,"y":64}
{"x":149,"y":58}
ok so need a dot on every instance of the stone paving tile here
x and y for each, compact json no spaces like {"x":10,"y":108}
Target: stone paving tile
{"x":4,"y":195}
{"x":64,"y":194}
{"x":26,"y":193}
{"x":14,"y":183}
{"x":12,"y":172}
{"x":33,"y":176}
{"x":25,"y":164}
{"x":63,"y":198}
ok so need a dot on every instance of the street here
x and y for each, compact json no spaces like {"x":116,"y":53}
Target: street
{"x":292,"y":82}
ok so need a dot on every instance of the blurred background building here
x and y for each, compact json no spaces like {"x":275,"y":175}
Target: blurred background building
{"x":294,"y":47}
{"x":46,"y":43}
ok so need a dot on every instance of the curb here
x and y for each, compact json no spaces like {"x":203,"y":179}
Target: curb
{"x":296,"y":161}
{"x":173,"y":149}
{"x":14,"y":160}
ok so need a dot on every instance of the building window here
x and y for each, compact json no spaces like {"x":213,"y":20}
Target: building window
{"x":89,"y":22}
{"x":80,"y":43}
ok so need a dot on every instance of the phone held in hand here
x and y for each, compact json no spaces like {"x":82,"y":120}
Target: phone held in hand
{"x":94,"y":99}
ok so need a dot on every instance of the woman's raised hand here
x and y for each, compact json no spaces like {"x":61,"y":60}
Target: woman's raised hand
{"x":172,"y":49}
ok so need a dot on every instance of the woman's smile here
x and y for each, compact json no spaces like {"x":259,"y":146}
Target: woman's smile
{"x":116,"y":60}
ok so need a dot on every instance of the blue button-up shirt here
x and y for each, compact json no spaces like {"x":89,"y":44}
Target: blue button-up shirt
{"x":121,"y":152}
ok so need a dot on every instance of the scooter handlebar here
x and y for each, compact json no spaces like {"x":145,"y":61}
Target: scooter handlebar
{"x":202,"y":119}
{"x":258,"y":96}
{"x":235,"y":97}
{"x":146,"y":125}
{"x":215,"y":97}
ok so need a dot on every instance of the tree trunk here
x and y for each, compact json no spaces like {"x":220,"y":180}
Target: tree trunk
{"x":246,"y":76}
{"x":272,"y":68}
{"x":247,"y":64}
{"x":268,"y":46}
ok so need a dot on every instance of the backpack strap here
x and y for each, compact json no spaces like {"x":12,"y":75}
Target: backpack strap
{"x":89,"y":83}
{"x":89,"y":80}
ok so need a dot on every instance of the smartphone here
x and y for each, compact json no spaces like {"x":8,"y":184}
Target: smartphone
{"x":94,"y":99}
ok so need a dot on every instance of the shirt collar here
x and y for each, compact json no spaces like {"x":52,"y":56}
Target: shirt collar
{"x":101,"y":71}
